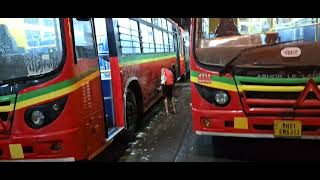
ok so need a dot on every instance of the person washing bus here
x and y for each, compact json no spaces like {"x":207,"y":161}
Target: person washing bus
{"x":167,"y":86}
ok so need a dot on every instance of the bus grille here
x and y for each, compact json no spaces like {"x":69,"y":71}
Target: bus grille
{"x":278,"y":103}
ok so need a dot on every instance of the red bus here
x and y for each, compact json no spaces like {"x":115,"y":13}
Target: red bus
{"x":255,"y":77}
{"x":68,"y":86}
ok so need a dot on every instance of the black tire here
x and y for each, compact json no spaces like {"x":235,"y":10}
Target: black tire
{"x":132,"y":112}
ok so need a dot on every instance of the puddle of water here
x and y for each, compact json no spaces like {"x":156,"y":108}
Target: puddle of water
{"x":140,"y":134}
{"x":144,"y":158}
{"x":134,"y":143}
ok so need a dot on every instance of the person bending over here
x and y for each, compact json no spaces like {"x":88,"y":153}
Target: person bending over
{"x":167,"y":85}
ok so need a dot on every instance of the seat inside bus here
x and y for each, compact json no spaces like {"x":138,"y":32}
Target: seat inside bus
{"x":226,"y":27}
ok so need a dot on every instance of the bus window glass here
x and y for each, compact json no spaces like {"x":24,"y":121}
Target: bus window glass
{"x":295,"y":28}
{"x":169,"y":26}
{"x":101,"y":35}
{"x":164,"y":24}
{"x":129,"y":36}
{"x":171,"y":43}
{"x":83,"y":39}
{"x":102,"y":45}
{"x":165,"y":41}
{"x":157,"y":21}
{"x":219,"y":40}
{"x":34,"y":21}
{"x":147,"y":38}
{"x":147,"y":19}
{"x":159,"y":40}
{"x":28,"y":47}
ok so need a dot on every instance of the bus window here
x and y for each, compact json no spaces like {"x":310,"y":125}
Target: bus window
{"x":164,"y":24}
{"x":23,"y":51}
{"x":147,"y":19}
{"x":102,"y":43}
{"x":290,"y":29}
{"x":166,"y":41}
{"x":83,"y":39}
{"x":170,"y":27}
{"x":247,"y":26}
{"x":157,"y":21}
{"x":171,"y":43}
{"x":159,"y":40}
{"x":129,"y":36}
{"x":237,"y":34}
{"x":147,"y":38}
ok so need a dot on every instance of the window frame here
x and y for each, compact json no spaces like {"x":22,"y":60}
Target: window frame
{"x":76,"y":59}
{"x":140,"y":21}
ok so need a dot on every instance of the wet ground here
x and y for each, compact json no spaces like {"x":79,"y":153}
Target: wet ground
{"x":170,"y":139}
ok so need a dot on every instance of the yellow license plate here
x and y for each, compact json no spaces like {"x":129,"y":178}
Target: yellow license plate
{"x":287,"y":128}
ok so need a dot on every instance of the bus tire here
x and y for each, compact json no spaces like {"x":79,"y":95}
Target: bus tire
{"x":132,"y":112}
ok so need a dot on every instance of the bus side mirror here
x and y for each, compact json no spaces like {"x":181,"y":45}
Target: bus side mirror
{"x":83,"y":19}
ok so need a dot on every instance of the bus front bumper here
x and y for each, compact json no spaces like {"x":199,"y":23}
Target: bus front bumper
{"x":59,"y":146}
{"x":236,"y":124}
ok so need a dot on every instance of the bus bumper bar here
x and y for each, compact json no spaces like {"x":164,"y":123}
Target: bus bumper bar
{"x":249,"y":135}
{"x":69,"y":159}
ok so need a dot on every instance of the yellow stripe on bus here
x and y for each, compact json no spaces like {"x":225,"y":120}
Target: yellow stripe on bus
{"x":7,"y":108}
{"x":271,"y":88}
{"x":58,"y":93}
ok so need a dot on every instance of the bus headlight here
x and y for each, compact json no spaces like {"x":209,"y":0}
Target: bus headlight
{"x":37,"y":118}
{"x":40,"y":116}
{"x":221,"y":98}
{"x":214,"y":96}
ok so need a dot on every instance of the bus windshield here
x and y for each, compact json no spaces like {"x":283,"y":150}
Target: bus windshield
{"x":29,"y":47}
{"x":256,"y":41}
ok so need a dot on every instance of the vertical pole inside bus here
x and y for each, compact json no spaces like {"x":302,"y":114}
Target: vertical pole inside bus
{"x":177,"y":48}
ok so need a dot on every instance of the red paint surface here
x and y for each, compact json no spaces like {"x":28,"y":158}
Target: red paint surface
{"x":79,"y":128}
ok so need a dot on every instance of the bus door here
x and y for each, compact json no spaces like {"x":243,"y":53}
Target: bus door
{"x":105,"y":72}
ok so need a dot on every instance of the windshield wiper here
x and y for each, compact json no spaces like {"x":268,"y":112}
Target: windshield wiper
{"x":228,"y":65}
{"x":12,"y":81}
{"x":19,"y":79}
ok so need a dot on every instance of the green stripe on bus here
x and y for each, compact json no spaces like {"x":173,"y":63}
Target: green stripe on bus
{"x":144,"y":58}
{"x":240,"y":79}
{"x":7,"y":97}
{"x":54,"y":87}
{"x":216,"y":78}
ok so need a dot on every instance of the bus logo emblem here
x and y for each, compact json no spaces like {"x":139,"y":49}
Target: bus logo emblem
{"x":291,"y":52}
{"x":204,"y":78}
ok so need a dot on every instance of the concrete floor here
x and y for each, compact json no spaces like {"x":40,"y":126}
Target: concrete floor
{"x":170,"y":139}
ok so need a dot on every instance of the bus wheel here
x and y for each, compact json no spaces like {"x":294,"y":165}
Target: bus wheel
{"x":131,"y":111}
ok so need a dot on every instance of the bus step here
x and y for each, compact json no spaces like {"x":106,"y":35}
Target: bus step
{"x":112,"y":132}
